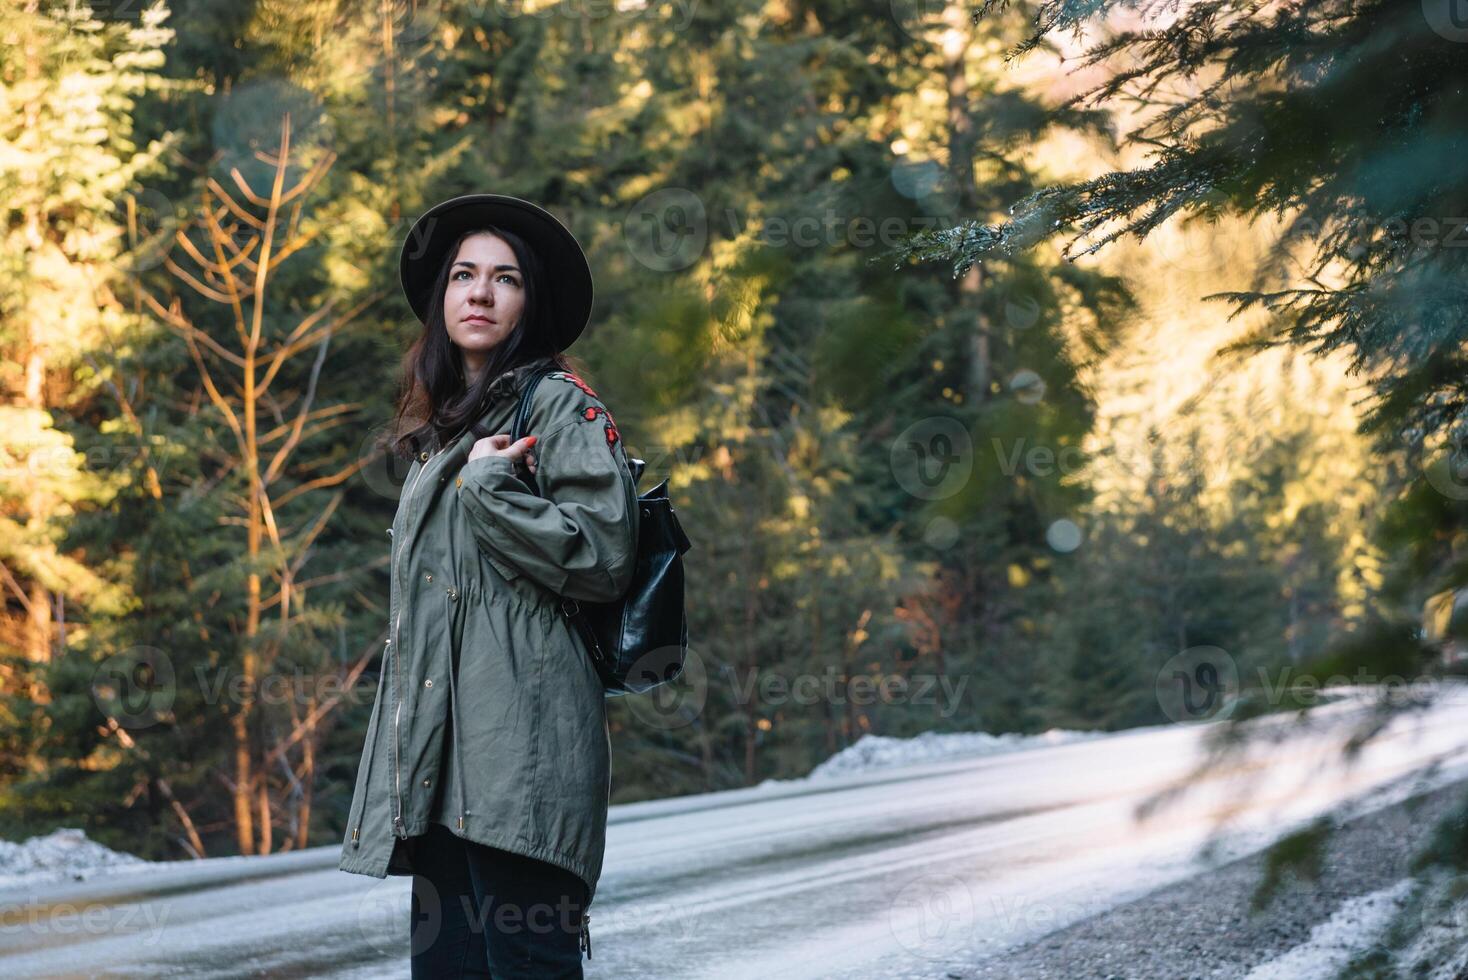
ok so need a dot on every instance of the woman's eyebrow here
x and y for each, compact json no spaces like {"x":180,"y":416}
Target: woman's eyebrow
{"x":498,"y":268}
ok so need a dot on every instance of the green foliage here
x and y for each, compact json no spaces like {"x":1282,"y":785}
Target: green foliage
{"x":1342,"y":116}
{"x":1447,"y":845}
{"x":773,"y":377}
{"x":1342,"y":120}
{"x":1297,"y":855}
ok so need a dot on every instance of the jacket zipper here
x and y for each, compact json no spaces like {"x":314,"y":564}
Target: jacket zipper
{"x":398,"y":826}
{"x":397,"y":769}
{"x":397,"y":658}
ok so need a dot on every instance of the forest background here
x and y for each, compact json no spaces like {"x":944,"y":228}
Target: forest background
{"x":1035,"y":494}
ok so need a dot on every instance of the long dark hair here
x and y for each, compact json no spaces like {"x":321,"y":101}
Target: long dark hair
{"x":433,"y":404}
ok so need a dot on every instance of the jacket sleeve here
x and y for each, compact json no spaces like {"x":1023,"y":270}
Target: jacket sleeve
{"x":579,"y":538}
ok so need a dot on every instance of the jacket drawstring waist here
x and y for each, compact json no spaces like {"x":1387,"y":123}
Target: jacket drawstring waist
{"x":451,"y":595}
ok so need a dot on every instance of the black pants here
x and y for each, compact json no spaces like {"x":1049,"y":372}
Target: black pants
{"x":480,"y":911}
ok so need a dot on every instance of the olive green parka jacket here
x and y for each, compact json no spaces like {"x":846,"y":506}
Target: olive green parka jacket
{"x":478,"y":563}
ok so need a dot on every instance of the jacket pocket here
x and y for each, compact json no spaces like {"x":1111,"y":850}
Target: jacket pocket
{"x":503,"y":570}
{"x":528,"y":592}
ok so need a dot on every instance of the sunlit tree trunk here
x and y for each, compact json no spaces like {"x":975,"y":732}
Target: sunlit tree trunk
{"x":956,"y":42}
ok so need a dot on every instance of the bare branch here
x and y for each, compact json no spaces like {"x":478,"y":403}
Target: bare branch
{"x":208,"y":292}
{"x":338,"y":576}
{"x":327,"y":705}
{"x":283,"y":454}
{"x":280,"y":354}
{"x":234,"y":208}
{"x":325,"y":481}
{"x":315,"y":416}
{"x":174,"y":319}
{"x":218,"y":237}
{"x":309,"y":536}
{"x":219,"y":400}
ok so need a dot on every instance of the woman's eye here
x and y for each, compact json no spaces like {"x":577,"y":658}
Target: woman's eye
{"x":509,"y":278}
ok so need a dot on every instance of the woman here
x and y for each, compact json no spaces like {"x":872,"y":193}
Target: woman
{"x":486,"y":769}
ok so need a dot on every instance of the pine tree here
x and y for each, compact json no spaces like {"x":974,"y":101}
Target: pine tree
{"x":68,"y":85}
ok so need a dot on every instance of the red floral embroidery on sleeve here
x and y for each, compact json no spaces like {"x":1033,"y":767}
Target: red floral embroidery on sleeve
{"x":592,"y":411}
{"x":578,"y":383}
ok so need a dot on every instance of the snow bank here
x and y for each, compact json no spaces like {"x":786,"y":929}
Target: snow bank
{"x":1354,"y":928}
{"x":1436,"y":945}
{"x":66,"y":853}
{"x":883,"y":752}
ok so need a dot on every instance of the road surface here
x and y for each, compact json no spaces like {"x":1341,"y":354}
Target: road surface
{"x":895,"y":873}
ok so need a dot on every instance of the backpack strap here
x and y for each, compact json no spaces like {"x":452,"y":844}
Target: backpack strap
{"x":522,"y":421}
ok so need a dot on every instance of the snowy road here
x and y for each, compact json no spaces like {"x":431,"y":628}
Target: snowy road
{"x":895,"y":873}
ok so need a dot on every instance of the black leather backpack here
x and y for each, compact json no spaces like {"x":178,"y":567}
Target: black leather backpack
{"x":640,"y":640}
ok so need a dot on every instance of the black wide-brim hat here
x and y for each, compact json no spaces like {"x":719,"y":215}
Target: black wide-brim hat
{"x":568,"y":274}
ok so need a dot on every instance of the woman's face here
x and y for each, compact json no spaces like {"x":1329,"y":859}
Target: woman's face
{"x":484,"y":298}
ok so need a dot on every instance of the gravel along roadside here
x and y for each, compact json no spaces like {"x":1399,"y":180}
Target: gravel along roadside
{"x":1203,"y":929}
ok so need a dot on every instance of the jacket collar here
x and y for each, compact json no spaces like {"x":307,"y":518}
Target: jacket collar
{"x":510,"y":383}
{"x":503,"y":393}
